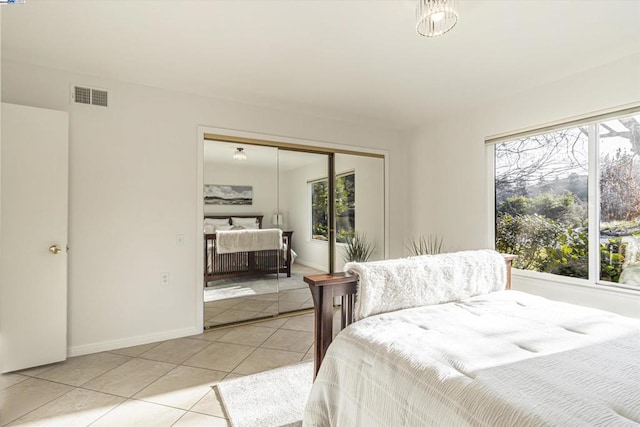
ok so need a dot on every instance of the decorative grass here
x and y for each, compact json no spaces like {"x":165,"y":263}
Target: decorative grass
{"x":429,"y":245}
{"x":357,"y":248}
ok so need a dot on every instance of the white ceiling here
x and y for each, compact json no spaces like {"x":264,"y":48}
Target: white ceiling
{"x":259,"y":156}
{"x":360,"y":60}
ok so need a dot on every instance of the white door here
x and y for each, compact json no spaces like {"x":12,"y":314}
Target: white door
{"x":33,"y":237}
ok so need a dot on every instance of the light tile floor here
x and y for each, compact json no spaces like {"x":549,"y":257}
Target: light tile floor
{"x":263,"y":297}
{"x":161,"y":384}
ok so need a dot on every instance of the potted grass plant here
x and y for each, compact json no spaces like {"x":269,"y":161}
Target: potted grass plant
{"x":357,"y":248}
{"x":429,"y":245}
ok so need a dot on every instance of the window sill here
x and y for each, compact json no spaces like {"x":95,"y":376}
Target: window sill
{"x":326,"y":242}
{"x":572,"y":281}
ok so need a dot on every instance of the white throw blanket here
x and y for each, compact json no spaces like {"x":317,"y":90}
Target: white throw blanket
{"x":248,"y":240}
{"x":501,"y":359}
{"x":396,"y":284}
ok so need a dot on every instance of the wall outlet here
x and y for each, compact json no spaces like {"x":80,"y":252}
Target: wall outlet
{"x":164,"y":278}
{"x":179,"y":240}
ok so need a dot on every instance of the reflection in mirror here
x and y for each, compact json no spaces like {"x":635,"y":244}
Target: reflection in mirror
{"x":240,"y":277}
{"x":359,"y":209}
{"x":303,"y":209}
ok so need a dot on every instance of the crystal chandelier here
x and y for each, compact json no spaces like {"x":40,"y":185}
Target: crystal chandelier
{"x":436,"y":17}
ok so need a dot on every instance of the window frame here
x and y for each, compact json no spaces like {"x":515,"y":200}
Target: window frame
{"x":593,"y":207}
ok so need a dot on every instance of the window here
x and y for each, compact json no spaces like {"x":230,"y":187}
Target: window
{"x":319,"y":210}
{"x":345,"y":207}
{"x":543,"y":185}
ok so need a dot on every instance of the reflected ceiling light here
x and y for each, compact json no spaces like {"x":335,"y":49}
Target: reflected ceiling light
{"x":436,"y":17}
{"x":240,"y":154}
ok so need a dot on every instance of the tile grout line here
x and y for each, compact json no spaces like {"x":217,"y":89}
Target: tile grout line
{"x":25,"y":377}
{"x":156,"y":344}
{"x":263,"y":341}
{"x":200,"y":400}
{"x":164,"y":375}
{"x":132,"y":397}
{"x":126,"y":399}
{"x":108,"y":412}
{"x":266,"y":348}
{"x":221,"y":342}
{"x":247,"y":356}
{"x":179,"y":418}
{"x":104,"y":373}
{"x":153,"y":382}
{"x":46,"y":403}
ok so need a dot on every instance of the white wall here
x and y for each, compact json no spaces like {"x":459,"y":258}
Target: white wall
{"x":133,"y":188}
{"x":296,"y":210}
{"x":448,"y":179}
{"x":0,"y":142}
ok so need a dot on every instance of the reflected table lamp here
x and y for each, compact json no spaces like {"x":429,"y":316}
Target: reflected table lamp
{"x":277,"y":220}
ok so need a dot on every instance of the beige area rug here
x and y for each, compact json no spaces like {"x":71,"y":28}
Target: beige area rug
{"x":252,"y":286}
{"x":268,"y":399}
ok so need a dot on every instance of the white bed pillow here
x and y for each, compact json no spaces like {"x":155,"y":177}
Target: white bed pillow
{"x":216,"y":221}
{"x":213,"y":224}
{"x":250,"y":223}
{"x":397,"y":284}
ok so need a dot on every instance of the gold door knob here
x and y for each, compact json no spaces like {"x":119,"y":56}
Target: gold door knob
{"x":54,"y":249}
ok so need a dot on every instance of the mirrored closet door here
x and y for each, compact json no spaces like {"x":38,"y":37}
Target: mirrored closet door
{"x":303,"y":212}
{"x":303,"y":208}
{"x":359,"y":209}
{"x":241,"y":269}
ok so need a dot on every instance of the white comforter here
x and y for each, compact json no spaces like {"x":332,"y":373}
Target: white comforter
{"x":502,"y":359}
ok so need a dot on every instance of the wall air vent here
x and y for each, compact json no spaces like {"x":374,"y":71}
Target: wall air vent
{"x":99,"y":97}
{"x":82,"y":95}
{"x":89,"y":96}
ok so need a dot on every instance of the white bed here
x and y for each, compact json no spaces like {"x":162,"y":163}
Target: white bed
{"x":505,"y":358}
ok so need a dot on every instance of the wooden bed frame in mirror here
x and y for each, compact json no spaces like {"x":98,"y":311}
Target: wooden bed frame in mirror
{"x":251,"y":263}
{"x":324,"y":287}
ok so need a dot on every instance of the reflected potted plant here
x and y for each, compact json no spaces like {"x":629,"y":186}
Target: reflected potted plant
{"x":357,"y":248}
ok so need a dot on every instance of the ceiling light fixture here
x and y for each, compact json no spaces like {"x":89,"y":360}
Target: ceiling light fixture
{"x":240,"y":154}
{"x":436,"y":17}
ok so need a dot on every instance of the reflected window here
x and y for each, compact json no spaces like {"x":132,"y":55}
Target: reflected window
{"x":345,"y":207}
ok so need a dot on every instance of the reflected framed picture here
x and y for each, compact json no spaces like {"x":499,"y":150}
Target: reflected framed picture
{"x":215,"y":194}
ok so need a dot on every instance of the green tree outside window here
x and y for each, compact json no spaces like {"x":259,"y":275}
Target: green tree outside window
{"x":345,"y":208}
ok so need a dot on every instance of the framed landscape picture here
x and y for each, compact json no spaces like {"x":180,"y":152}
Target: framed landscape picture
{"x":228,"y":194}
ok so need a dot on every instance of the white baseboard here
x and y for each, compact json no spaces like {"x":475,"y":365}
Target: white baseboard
{"x":310,"y":264}
{"x":130,"y":342}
